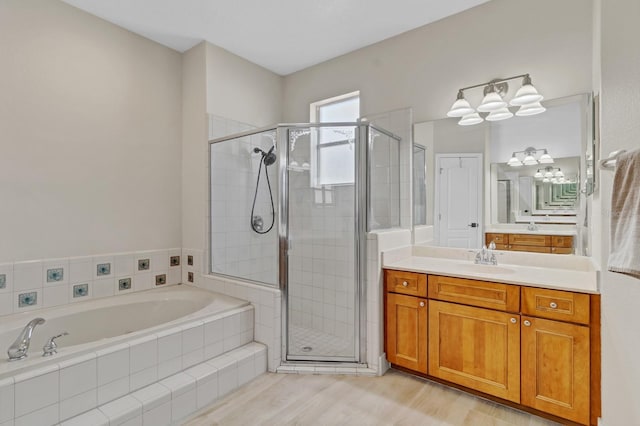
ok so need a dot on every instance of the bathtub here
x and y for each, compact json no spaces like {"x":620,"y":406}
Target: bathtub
{"x":102,"y":323}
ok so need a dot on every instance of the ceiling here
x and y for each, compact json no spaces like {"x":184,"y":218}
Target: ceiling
{"x":283,"y":36}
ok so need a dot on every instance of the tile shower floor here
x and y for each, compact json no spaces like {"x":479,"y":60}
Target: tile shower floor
{"x":307,"y":341}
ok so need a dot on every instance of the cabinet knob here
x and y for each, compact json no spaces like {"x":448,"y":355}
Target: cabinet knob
{"x":513,"y":320}
{"x":421,"y":304}
{"x":527,"y":323}
{"x":405,"y":284}
{"x":553,"y":305}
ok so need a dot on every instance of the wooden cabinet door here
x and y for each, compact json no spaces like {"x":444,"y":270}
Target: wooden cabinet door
{"x":555,"y":368}
{"x":406,"y":331}
{"x":475,"y":347}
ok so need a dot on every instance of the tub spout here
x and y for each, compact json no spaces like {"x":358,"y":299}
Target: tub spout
{"x":18,"y":350}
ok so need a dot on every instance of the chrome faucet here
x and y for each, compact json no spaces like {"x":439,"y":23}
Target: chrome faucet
{"x":532,"y":226}
{"x":18,"y":350}
{"x":486,"y":256}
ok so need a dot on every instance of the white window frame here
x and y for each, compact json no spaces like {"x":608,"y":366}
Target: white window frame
{"x":314,"y":114}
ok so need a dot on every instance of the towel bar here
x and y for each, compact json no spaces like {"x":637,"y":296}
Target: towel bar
{"x":609,"y":163}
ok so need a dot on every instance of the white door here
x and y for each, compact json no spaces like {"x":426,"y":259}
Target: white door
{"x":459,"y":200}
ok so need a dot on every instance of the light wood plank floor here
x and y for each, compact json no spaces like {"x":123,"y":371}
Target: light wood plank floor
{"x":393,"y":399}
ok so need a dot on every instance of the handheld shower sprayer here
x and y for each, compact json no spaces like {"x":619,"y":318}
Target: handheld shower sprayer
{"x":267,"y":157}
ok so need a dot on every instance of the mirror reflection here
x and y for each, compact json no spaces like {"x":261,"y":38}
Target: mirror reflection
{"x":533,"y":173}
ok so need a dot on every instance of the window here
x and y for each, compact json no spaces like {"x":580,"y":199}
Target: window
{"x":333,"y":156}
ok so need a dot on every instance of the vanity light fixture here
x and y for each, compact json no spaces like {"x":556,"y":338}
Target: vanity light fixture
{"x":549,"y":174}
{"x":493,"y":103}
{"x":529,"y":157}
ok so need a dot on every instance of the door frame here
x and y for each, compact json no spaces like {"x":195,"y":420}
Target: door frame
{"x":479,"y":188}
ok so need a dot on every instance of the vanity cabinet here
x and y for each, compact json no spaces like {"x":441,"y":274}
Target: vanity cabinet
{"x":537,"y":243}
{"x":475,"y":347}
{"x":536,"y":348}
{"x":406,"y":319}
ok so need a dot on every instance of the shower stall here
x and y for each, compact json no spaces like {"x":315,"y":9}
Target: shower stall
{"x":290,"y":206}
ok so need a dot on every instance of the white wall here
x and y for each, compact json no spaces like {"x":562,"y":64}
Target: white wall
{"x":89,"y":135}
{"x":620,"y":294}
{"x":424,"y":68}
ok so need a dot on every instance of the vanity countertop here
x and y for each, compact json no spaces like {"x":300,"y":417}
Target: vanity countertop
{"x":576,"y":274}
{"x":523,"y":230}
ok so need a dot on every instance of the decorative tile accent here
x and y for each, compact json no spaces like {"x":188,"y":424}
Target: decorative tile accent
{"x":55,"y":275}
{"x":143,"y":264}
{"x":3,"y":280}
{"x":190,"y":260}
{"x":27,"y":299}
{"x":124,"y":284}
{"x":161,"y":279}
{"x":190,"y":277}
{"x":174,"y":261}
{"x":80,"y":290}
{"x":103,"y":269}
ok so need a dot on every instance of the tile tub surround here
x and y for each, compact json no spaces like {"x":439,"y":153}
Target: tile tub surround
{"x":570,"y":273}
{"x":54,"y":282}
{"x":110,"y":376}
{"x":177,"y":397}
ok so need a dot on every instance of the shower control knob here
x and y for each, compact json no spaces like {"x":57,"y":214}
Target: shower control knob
{"x":422,"y":304}
{"x":553,"y":305}
{"x":405,"y":284}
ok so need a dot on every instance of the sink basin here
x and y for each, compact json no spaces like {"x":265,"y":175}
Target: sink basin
{"x":484,"y":269}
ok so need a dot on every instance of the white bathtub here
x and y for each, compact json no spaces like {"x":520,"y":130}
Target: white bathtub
{"x":100,"y":323}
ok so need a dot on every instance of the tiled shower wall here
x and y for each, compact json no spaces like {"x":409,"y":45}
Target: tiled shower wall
{"x":37,"y":284}
{"x":236,"y":250}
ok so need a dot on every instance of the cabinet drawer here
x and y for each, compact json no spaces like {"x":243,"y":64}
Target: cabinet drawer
{"x":561,"y":241}
{"x":530,"y":240}
{"x":533,"y":249}
{"x":502,"y":246}
{"x":561,"y":250}
{"x":497,"y":238}
{"x":556,"y":304}
{"x":409,"y":283}
{"x":502,"y":297}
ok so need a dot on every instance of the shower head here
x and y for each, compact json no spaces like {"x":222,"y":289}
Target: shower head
{"x":267,"y":157}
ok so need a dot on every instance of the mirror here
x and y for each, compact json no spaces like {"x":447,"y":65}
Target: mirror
{"x":521,"y":197}
{"x":514,"y":196}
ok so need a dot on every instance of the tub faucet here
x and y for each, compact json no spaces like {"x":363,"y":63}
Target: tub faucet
{"x":18,"y":350}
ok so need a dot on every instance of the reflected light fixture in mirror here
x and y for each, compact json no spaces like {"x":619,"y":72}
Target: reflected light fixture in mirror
{"x":526,"y":98}
{"x":530,"y":157}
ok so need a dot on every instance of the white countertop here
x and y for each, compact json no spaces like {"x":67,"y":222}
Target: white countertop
{"x":559,"y":272}
{"x":542,"y":230}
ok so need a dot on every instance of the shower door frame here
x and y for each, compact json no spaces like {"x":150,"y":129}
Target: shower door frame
{"x":360,"y":214}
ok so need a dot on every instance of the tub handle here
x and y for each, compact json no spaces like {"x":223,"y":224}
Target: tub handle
{"x":51,"y":347}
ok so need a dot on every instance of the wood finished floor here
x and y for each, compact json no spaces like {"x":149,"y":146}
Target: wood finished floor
{"x":393,"y":399}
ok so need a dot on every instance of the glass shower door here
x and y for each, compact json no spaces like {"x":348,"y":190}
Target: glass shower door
{"x":322,"y":269}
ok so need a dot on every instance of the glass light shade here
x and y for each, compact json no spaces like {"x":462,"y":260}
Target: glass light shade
{"x":548,"y":174}
{"x":561,"y":180}
{"x":525,"y":95}
{"x":559,"y":174}
{"x":553,"y":180}
{"x":529,"y":160}
{"x":538,"y":175}
{"x":470,"y":119}
{"x":491,"y":102}
{"x":460,"y":107}
{"x":530,"y":109}
{"x":514,"y":162}
{"x":499,"y":114}
{"x":545,"y":159}
{"x":546,"y":179}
